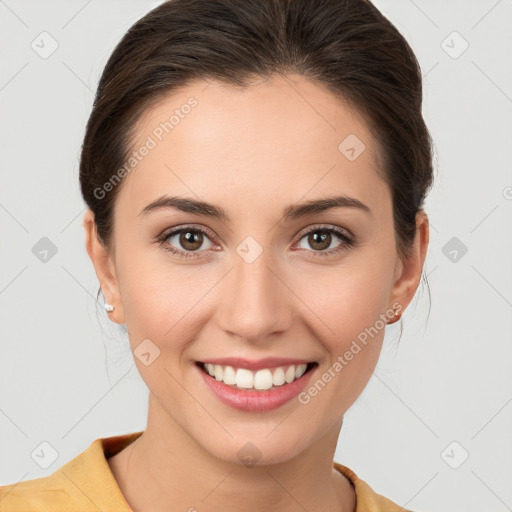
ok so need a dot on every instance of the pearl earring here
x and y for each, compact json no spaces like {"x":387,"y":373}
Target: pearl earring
{"x":108,"y":307}
{"x":395,"y":319}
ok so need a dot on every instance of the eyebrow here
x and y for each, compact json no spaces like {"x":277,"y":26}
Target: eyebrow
{"x":294,"y":211}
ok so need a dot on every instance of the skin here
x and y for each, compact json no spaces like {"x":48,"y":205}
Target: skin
{"x":253,"y":151}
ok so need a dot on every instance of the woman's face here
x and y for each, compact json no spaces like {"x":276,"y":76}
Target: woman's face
{"x":265,"y":280}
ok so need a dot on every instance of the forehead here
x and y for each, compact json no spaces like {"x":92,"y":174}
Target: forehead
{"x":277,"y":140}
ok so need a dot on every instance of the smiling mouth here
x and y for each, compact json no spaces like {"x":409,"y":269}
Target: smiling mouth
{"x":265,"y":379}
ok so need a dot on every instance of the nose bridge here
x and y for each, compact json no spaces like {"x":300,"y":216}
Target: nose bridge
{"x":255,"y":302}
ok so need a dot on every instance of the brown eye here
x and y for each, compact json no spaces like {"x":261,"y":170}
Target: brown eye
{"x":319,"y":242}
{"x":191,"y":240}
{"x":184,"y":242}
{"x":320,"y":239}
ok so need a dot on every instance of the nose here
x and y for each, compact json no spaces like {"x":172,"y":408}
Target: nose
{"x":255,"y":299}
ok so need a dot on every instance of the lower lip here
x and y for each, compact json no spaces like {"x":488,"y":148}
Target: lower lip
{"x":256,"y":401}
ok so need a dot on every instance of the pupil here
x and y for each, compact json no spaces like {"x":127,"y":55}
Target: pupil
{"x":189,"y":238}
{"x":321,"y":239}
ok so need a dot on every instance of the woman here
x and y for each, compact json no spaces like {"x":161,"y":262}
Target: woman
{"x":254,"y":174}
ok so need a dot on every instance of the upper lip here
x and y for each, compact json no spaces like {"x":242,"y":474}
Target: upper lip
{"x":267,"y":362}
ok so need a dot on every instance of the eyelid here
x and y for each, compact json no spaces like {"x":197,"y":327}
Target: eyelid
{"x":348,"y":240}
{"x":325,"y":227}
{"x":197,"y":227}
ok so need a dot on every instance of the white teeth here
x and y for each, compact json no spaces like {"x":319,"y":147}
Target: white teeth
{"x":229,"y":375}
{"x":260,"y":380}
{"x":300,"y":370}
{"x":278,"y":377}
{"x":263,"y":379}
{"x":289,"y":376}
{"x":244,"y":378}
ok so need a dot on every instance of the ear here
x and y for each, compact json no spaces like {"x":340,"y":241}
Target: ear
{"x":102,"y":260}
{"x":408,"y":271}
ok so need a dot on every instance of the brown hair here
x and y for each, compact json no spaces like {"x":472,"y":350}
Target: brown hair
{"x":347,"y":46}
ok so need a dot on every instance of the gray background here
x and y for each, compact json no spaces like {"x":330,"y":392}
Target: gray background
{"x":445,"y":392}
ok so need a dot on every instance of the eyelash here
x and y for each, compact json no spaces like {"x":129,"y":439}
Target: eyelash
{"x":348,"y":240}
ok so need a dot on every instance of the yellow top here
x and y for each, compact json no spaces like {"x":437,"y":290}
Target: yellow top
{"x":86,"y":484}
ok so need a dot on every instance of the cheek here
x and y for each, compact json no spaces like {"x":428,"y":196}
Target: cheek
{"x":161,"y":310}
{"x":163,"y":301}
{"x":351,"y":331}
{"x":347,"y":299}
{"x":347,"y":304}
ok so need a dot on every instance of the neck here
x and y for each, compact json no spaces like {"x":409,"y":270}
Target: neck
{"x":166,"y":469}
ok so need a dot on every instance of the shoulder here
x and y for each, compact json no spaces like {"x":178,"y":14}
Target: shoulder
{"x":83,"y":484}
{"x":367,"y":500}
{"x":50,"y":493}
